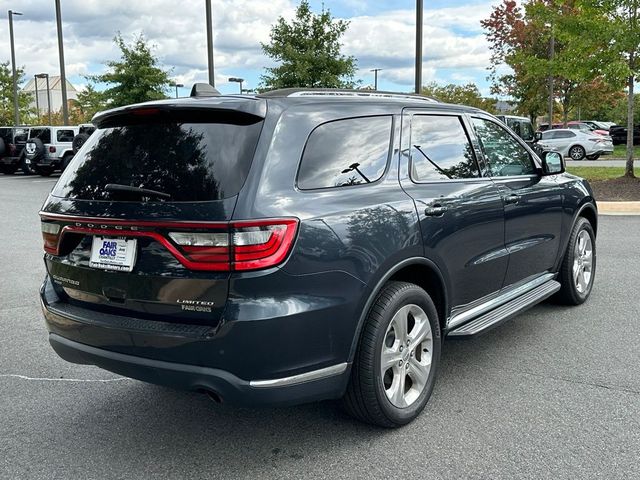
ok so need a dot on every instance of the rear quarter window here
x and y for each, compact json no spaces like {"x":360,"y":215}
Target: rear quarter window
{"x":342,"y":153}
{"x":64,"y":136}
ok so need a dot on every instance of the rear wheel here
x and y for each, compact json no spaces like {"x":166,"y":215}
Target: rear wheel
{"x":395,"y":367}
{"x":66,"y":160}
{"x":579,"y":264}
{"x":577,"y":152}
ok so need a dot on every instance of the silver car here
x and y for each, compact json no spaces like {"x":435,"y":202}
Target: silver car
{"x":576,"y":144}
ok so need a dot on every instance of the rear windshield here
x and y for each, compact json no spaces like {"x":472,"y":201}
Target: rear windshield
{"x":189,"y":161}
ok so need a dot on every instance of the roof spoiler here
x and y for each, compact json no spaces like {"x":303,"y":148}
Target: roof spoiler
{"x":204,"y":90}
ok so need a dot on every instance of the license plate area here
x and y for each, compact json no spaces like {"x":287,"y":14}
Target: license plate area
{"x":113,"y":253}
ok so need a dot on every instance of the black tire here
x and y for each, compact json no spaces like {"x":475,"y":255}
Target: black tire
{"x":365,"y":398}
{"x":570,"y":293}
{"x":8,"y":169}
{"x":577,"y":153}
{"x":37,"y":149}
{"x":44,"y":171}
{"x":593,"y":157}
{"x":65,"y":161}
{"x":78,"y":141}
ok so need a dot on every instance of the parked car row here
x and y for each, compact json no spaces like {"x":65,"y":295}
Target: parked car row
{"x":40,"y":149}
{"x":578,"y":141}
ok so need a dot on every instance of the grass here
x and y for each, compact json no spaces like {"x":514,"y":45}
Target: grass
{"x":620,"y":151}
{"x":597,"y":173}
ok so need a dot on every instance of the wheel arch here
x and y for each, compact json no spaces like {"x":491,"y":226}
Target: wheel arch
{"x":420,"y":271}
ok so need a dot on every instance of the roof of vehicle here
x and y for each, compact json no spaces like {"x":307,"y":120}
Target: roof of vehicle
{"x":257,"y":104}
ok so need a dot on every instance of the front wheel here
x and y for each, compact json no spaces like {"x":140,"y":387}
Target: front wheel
{"x":397,"y":360}
{"x":577,"y":152}
{"x":578,"y":265}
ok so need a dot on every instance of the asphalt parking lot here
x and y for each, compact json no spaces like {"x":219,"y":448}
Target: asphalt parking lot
{"x":552,"y":394}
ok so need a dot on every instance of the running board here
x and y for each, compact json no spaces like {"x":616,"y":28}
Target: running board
{"x":505,"y":312}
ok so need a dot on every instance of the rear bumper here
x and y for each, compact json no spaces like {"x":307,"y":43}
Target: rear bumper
{"x":313,"y":386}
{"x":254,"y":362}
{"x":9,"y":161}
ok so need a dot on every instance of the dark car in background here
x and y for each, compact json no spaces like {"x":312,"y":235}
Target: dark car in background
{"x":12,"y":143}
{"x":522,"y":126}
{"x":300,"y":245}
{"x":619,"y":135}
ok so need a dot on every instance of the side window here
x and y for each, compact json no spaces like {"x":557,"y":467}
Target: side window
{"x":565,"y":134}
{"x":65,"y":136}
{"x":527,"y":131}
{"x":440,"y":149}
{"x":346,"y":152}
{"x":44,"y":134}
{"x":549,"y":135}
{"x":506,"y":157}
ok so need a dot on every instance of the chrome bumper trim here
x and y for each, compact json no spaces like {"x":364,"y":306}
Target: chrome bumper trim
{"x":301,"y":378}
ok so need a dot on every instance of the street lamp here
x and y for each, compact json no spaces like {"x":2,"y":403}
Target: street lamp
{"x":63,"y":75}
{"x":552,"y":52}
{"x":375,"y":77}
{"x":354,"y":166}
{"x":35,"y":79}
{"x":419,"y":10}
{"x":237,"y":80}
{"x":16,"y":111}
{"x":177,"y":85}
{"x":212,"y":75}
{"x":46,"y":76}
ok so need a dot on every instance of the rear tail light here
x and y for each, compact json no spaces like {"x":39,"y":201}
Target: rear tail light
{"x":249,"y":245}
{"x":50,"y":236}
{"x":52,"y":149}
{"x":232,"y":246}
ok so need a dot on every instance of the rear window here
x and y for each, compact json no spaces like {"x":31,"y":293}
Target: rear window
{"x":64,"y":136}
{"x":189,"y":161}
{"x":44,"y":134}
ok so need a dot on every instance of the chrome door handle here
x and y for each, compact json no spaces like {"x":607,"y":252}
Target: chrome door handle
{"x":435,"y":211}
{"x":511,"y":199}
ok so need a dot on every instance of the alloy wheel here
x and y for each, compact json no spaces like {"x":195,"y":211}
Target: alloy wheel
{"x":583,"y":262}
{"x":406,"y":355}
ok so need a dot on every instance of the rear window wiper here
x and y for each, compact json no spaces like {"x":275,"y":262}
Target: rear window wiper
{"x":146,"y":192}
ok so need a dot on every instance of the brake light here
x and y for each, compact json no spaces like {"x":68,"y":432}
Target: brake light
{"x":214,"y":246}
{"x":249,"y":245}
{"x":50,"y":236}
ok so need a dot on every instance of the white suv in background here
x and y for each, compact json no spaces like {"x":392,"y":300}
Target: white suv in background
{"x":49,"y":148}
{"x":575,"y":144}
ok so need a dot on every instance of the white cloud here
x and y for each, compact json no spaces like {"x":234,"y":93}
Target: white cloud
{"x":452,"y":37}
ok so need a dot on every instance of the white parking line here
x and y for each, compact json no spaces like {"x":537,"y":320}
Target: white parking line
{"x":38,"y":379}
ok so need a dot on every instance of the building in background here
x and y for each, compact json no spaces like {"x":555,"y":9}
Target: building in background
{"x":55,"y":93}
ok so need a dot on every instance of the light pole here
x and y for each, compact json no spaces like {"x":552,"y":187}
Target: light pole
{"x":419,"y":10}
{"x":212,"y":77}
{"x":237,"y":80}
{"x":35,"y":78}
{"x":16,"y":107}
{"x":552,"y":53}
{"x":46,"y":76}
{"x":63,"y":77}
{"x":177,"y":85}
{"x":375,"y":77}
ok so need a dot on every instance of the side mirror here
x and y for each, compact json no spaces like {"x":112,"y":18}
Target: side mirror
{"x":537,"y":136}
{"x":552,"y":163}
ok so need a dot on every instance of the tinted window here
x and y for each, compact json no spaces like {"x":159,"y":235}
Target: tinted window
{"x":505,"y":155}
{"x":189,"y":161}
{"x":346,"y":152}
{"x":527,"y":131}
{"x":44,"y":134}
{"x":565,"y":134}
{"x":65,"y":135}
{"x":440,"y":149}
{"x":549,"y":135}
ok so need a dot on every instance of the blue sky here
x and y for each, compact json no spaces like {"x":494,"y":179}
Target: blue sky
{"x":381,"y":35}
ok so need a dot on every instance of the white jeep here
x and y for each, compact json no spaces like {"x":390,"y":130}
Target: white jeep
{"x":49,"y":148}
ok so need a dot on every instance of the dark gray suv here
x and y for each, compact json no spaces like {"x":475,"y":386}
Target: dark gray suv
{"x":304,"y":245}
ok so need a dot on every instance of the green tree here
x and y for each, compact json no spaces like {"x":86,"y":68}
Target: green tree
{"x":468,"y":94}
{"x":617,"y":32}
{"x":308,"y":51}
{"x":6,"y":95}
{"x":88,"y":103}
{"x":136,"y":77}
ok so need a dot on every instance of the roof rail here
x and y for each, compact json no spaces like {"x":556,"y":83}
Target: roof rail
{"x":360,"y":93}
{"x":311,"y":92}
{"x":204,"y":90}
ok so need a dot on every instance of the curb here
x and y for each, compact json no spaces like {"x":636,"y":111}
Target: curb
{"x":619,"y":208}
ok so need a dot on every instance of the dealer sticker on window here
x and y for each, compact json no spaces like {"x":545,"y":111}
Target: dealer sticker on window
{"x":113,"y":253}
